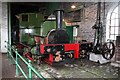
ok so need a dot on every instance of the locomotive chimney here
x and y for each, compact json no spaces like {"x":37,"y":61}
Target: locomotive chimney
{"x":59,"y":17}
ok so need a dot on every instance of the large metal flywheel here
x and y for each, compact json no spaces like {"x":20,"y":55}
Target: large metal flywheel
{"x":108,"y":50}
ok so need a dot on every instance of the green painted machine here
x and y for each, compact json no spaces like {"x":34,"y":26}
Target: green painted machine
{"x":49,"y":25}
{"x":29,"y":23}
{"x":35,"y":24}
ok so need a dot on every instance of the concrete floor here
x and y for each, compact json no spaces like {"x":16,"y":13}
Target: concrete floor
{"x":8,"y":70}
{"x":0,"y":66}
{"x":76,"y":69}
{"x":82,"y":68}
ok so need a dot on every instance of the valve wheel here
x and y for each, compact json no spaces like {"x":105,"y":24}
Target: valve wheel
{"x":108,"y":50}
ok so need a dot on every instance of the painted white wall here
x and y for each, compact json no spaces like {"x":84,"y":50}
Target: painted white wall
{"x":3,"y":26}
{"x":0,"y":41}
{"x":119,"y":17}
{"x":0,"y":21}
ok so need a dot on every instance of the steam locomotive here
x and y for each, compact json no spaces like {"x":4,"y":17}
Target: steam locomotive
{"x":55,"y":46}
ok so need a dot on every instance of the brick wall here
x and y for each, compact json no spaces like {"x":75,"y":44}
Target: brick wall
{"x":0,"y":20}
{"x":85,"y":26}
{"x":85,"y":31}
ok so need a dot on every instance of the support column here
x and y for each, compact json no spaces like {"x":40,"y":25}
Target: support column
{"x":4,"y":27}
{"x":119,"y":17}
{"x":0,"y":39}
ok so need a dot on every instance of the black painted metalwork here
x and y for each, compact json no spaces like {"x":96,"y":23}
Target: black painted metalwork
{"x":107,"y":49}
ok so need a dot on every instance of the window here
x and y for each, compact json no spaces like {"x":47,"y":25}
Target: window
{"x":24,"y":17}
{"x":112,"y":25}
{"x":75,"y":31}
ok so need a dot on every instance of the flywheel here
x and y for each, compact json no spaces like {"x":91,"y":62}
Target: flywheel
{"x":108,"y":50}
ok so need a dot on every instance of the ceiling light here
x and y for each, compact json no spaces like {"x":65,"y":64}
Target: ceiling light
{"x":28,"y":30}
{"x":73,"y":6}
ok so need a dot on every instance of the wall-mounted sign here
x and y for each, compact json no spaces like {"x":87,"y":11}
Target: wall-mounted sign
{"x":74,"y":16}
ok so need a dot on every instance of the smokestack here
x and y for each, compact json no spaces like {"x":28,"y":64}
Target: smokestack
{"x":59,"y":17}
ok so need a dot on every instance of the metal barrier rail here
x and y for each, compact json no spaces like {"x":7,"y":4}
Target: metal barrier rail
{"x":29,"y":65}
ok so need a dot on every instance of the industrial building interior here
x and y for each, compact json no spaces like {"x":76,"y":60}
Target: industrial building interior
{"x":59,"y":40}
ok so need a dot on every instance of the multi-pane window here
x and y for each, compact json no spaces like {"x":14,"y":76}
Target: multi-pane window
{"x":112,"y":26}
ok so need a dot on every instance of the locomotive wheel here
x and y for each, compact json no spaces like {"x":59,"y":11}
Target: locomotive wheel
{"x":57,"y":58}
{"x":71,"y":55}
{"x":83,"y":54}
{"x":108,"y":50}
